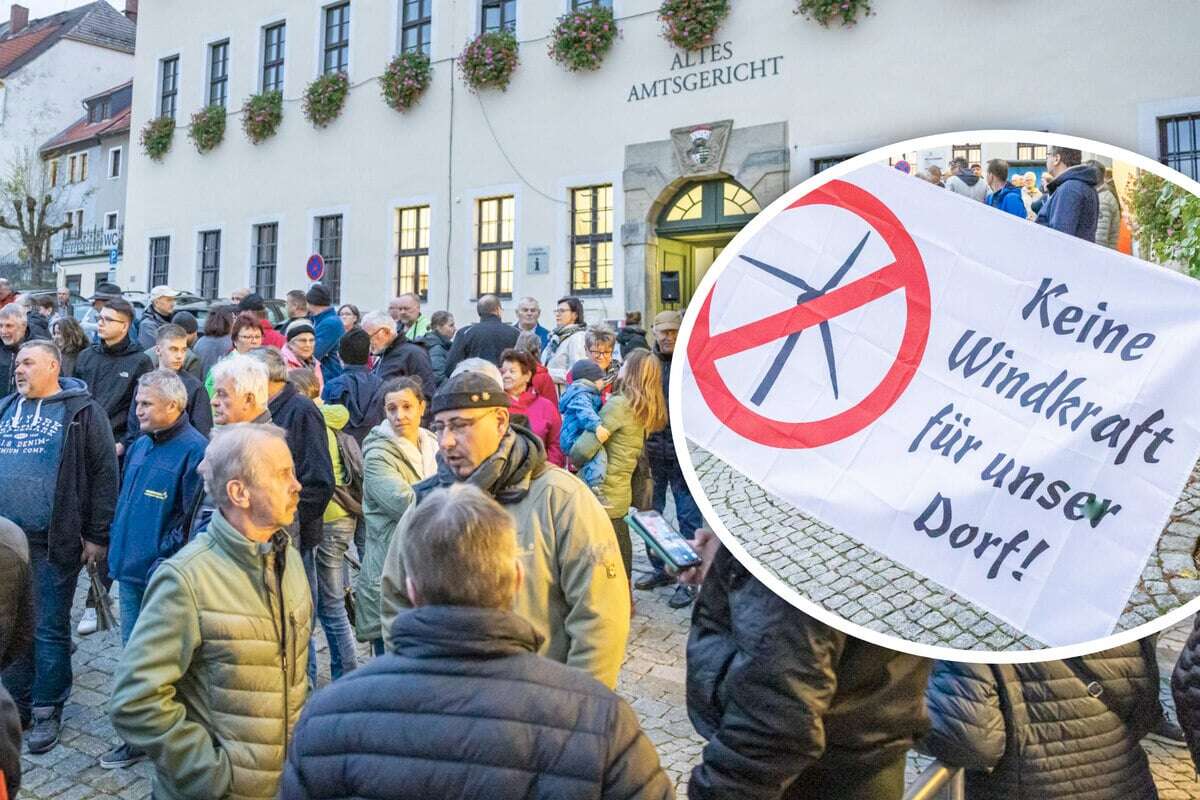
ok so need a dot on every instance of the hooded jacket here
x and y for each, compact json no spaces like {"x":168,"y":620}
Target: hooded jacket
{"x":1072,"y":205}
{"x":1108,"y":221}
{"x":496,"y":722}
{"x":355,"y":389}
{"x":575,"y":593}
{"x":630,"y":338}
{"x":402,"y":358}
{"x":968,"y":184}
{"x":199,"y":410}
{"x":1008,"y":198}
{"x":776,"y":692}
{"x":39,"y":326}
{"x":486,"y":339}
{"x":1185,"y":685}
{"x":437,"y":347}
{"x":328,"y":330}
{"x":212,"y":681}
{"x":391,"y":467}
{"x":85,"y":486}
{"x":1048,"y":731}
{"x":157,"y":491}
{"x":304,"y":426}
{"x":580,"y":410}
{"x":111,"y":375}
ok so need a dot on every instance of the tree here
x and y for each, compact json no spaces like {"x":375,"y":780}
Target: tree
{"x":29,"y":208}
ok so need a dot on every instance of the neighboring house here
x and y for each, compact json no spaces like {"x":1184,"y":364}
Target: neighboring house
{"x":46,"y":66}
{"x":86,"y":163}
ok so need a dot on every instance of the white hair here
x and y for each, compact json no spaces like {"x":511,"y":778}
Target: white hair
{"x":168,"y":386}
{"x":249,"y":376}
{"x":481,"y":366}
{"x":377,"y":319}
{"x":233,"y":454}
{"x":15,"y":310}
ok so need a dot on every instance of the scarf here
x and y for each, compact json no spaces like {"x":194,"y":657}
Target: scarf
{"x":506,"y":474}
{"x":560,"y":335}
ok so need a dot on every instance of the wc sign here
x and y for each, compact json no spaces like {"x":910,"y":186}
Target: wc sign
{"x":1002,"y":408}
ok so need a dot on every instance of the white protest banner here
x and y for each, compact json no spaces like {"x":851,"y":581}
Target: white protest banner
{"x":1005,"y":409}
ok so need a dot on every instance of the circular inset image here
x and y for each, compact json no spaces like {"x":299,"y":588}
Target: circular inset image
{"x":952,"y":411}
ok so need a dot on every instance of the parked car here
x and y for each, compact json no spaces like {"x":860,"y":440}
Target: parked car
{"x":199,"y":308}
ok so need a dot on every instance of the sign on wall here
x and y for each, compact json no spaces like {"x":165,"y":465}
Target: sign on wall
{"x":537,"y":260}
{"x":1002,"y":408}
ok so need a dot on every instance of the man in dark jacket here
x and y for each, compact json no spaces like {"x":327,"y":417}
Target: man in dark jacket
{"x":664,"y":467}
{"x":171,"y":353}
{"x":466,"y":666}
{"x":60,"y":486}
{"x":486,"y":339}
{"x":438,"y":340}
{"x":14,"y":332}
{"x":790,"y":706}
{"x":355,"y":388}
{"x":1072,"y":204}
{"x":328,"y":329}
{"x":16,"y":637}
{"x":397,"y":356}
{"x":1004,"y":195}
{"x":111,"y":367}
{"x":157,"y":314}
{"x":41,"y":309}
{"x":632,"y":335}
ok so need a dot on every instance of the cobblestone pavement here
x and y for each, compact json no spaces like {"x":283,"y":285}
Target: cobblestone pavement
{"x":870,"y":589}
{"x":652,"y":680}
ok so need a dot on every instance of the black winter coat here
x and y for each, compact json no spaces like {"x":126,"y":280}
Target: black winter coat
{"x":777,"y":692}
{"x":1056,"y":729}
{"x":1185,"y":685}
{"x":631,"y":338}
{"x":85,"y":494}
{"x":659,"y":445}
{"x":8,"y":363}
{"x":406,"y":358}
{"x":39,"y":326}
{"x":438,"y":347}
{"x":305,"y":427}
{"x":466,"y":709}
{"x":486,"y":339}
{"x":111,"y":375}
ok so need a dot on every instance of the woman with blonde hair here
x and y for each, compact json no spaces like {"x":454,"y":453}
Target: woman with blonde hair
{"x":636,"y":409}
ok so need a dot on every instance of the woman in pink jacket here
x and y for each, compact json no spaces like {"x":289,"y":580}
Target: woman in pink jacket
{"x":517,"y":368}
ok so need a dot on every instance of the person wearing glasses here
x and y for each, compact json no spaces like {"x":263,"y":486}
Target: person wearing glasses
{"x":111,"y":367}
{"x":576,"y":595}
{"x":397,"y":357}
{"x":567,"y":343}
{"x":246,"y":335}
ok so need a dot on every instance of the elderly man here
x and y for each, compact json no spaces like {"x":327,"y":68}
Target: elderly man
{"x":59,"y":485}
{"x":397,"y":356}
{"x":240,"y":391}
{"x":548,"y":730}
{"x":111,"y":367}
{"x":528,"y":313}
{"x":171,"y":353}
{"x":576,"y":596}
{"x":406,"y":311}
{"x":14,"y":332}
{"x":7,"y":295}
{"x":213,"y":678}
{"x":63,"y":307}
{"x":157,"y":314}
{"x":487,"y":338}
{"x":158,"y":487}
{"x":238,"y":295}
{"x":328,"y":327}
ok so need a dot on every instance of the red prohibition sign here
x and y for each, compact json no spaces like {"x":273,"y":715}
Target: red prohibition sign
{"x":907,"y":272}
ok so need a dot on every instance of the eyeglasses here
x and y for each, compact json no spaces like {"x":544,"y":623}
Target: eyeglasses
{"x":600,"y":353}
{"x":250,"y":337}
{"x":112,"y":320}
{"x":457,"y":426}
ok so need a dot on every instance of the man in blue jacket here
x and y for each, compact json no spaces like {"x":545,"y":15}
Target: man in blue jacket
{"x":355,"y":388}
{"x":329,"y":329}
{"x":1072,"y":204}
{"x":1004,"y":195}
{"x":159,"y":484}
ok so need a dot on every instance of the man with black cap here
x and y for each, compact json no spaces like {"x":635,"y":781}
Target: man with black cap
{"x":157,"y":314}
{"x":329,"y":330}
{"x":254,"y":303}
{"x":575,"y":594}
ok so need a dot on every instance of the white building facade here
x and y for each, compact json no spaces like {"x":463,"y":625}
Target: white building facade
{"x":620,"y":185}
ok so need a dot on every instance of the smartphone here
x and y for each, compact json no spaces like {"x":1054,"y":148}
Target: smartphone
{"x":666,"y":542}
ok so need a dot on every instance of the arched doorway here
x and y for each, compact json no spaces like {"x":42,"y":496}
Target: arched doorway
{"x":693,"y":228}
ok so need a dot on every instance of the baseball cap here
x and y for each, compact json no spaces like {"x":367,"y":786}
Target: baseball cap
{"x":667,"y":321}
{"x":163,"y":291}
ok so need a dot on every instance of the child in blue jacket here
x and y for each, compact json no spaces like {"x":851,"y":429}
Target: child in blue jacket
{"x":580,"y":409}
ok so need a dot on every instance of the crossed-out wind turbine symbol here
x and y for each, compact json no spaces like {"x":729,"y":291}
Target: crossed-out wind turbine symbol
{"x":789,"y":344}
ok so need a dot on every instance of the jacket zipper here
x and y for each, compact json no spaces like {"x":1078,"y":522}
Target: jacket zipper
{"x":283,"y":637}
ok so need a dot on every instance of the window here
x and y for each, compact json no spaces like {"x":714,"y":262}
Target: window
{"x":83,"y":159}
{"x":822,"y":164}
{"x":160,"y":255}
{"x":498,"y":15}
{"x":273,"y":46}
{"x":114,"y":162}
{"x":1179,"y":143}
{"x":168,"y":87}
{"x":54,"y":173}
{"x":494,"y":258}
{"x":708,"y":206}
{"x":266,"y":256}
{"x":329,"y":245}
{"x":98,"y":110}
{"x":110,"y":220}
{"x":591,"y":239}
{"x":75,"y":284}
{"x":412,"y":250}
{"x":416,"y":26}
{"x":72,"y":165}
{"x":218,"y":73}
{"x":210,"y":264}
{"x":337,"y":39}
{"x":76,"y":220}
{"x":971,"y":152}
{"x":1031,"y":152}
{"x":579,"y":5}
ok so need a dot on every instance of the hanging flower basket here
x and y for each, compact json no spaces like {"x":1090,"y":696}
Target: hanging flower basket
{"x":325,"y":97}
{"x":488,"y":61}
{"x":207,"y":128}
{"x":826,"y":12}
{"x":581,"y":39}
{"x":261,"y":115}
{"x":405,"y":80}
{"x":691,"y":24}
{"x":156,"y":137}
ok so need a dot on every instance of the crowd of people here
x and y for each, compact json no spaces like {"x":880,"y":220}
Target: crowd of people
{"x":449,"y":505}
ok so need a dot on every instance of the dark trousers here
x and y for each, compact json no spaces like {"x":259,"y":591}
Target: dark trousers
{"x":42,"y":677}
{"x":819,"y":783}
{"x":621,"y":529}
{"x":667,"y":475}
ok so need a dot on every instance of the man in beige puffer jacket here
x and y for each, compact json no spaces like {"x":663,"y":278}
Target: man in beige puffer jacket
{"x":213,"y":678}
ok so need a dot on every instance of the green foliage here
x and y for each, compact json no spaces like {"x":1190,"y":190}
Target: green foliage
{"x":582,"y":38}
{"x":325,"y":97}
{"x":1166,"y":221}
{"x":156,"y":137}
{"x":691,"y":24}
{"x":261,"y":115}
{"x":207,"y":128}
{"x":405,"y":80}
{"x":488,"y":60}
{"x":828,"y":11}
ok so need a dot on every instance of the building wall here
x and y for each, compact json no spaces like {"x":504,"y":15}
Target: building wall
{"x":832,"y":91}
